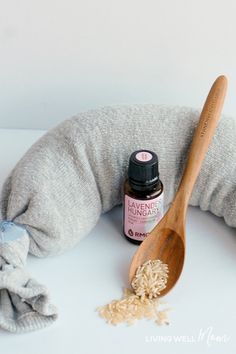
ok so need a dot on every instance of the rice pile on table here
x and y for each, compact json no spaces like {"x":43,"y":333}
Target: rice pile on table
{"x":142,"y":301}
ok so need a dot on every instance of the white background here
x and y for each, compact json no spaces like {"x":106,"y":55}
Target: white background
{"x":58,"y":57}
{"x":61,"y":57}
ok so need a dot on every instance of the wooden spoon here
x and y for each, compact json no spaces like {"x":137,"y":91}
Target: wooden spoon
{"x":167,"y":240}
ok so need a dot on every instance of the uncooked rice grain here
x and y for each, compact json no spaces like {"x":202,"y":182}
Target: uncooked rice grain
{"x":142,"y":301}
{"x":150,"y":279}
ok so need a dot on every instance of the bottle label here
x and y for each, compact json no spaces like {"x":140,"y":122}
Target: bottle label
{"x":141,"y":216}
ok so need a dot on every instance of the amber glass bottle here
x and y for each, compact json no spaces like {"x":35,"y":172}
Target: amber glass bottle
{"x":143,"y":196}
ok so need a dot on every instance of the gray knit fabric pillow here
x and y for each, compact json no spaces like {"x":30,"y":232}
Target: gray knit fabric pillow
{"x":75,"y":172}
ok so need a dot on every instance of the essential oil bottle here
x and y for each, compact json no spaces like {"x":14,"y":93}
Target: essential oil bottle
{"x":143,"y":196}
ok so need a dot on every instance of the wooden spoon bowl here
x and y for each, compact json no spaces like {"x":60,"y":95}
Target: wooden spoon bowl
{"x":169,"y":248}
{"x":166,"y":241}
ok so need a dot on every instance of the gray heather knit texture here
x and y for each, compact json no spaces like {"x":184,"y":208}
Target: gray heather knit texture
{"x":75,"y":172}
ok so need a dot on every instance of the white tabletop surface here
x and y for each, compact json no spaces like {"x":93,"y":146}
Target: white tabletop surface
{"x":203,"y":315}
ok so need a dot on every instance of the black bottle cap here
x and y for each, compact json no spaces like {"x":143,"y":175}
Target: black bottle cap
{"x":143,"y":168}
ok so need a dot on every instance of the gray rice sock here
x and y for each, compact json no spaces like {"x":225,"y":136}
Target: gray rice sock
{"x":75,"y":172}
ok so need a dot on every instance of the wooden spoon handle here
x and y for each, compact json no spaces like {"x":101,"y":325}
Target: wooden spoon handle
{"x":202,"y":138}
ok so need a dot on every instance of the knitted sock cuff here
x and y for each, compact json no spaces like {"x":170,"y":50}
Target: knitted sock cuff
{"x":24,"y":303}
